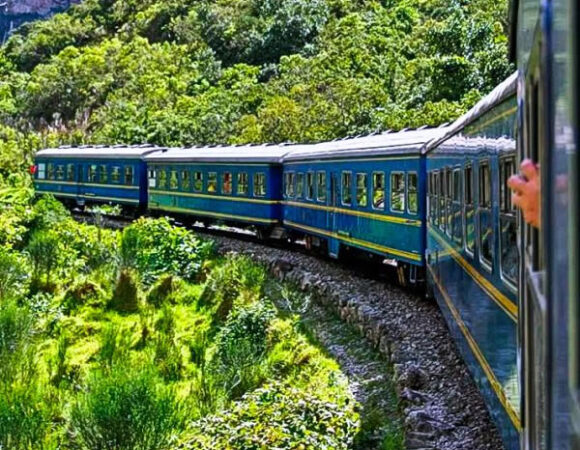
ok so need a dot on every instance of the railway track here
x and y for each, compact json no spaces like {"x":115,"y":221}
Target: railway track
{"x":441,"y":404}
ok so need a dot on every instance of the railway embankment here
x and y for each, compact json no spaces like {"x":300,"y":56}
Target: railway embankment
{"x":441,"y":405}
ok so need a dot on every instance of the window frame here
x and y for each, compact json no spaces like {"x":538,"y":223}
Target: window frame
{"x":161,"y":178}
{"x":92,"y":173}
{"x":184,"y":176}
{"x":300,"y":182}
{"x":374,"y":190}
{"x":103,"y":174}
{"x":172,"y":179}
{"x":70,"y":173}
{"x":365,"y":187}
{"x":507,"y":210}
{"x":310,"y":185}
{"x":129,"y":170}
{"x":116,"y":174}
{"x":212,"y":180}
{"x":41,"y":172}
{"x":468,"y":167}
{"x":436,"y":194}
{"x":240,"y":183}
{"x":343,"y":185}
{"x":414,"y":173}
{"x":60,"y":172}
{"x":321,"y":174}
{"x":223,"y":184}
{"x":257,"y":176}
{"x":484,"y":163}
{"x":394,"y":173}
{"x":198,"y":178}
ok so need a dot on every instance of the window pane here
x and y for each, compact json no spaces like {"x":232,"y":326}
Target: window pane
{"x":50,"y":171}
{"x":486,"y":241}
{"x":347,"y":188}
{"x":185,"y":180}
{"x":509,"y":249}
{"x":162,"y":177}
{"x":70,"y":172}
{"x":41,"y":171}
{"x":292,"y":185}
{"x":379,"y":190}
{"x":442,"y":214}
{"x":468,"y":185}
{"x":300,"y":185}
{"x":116,"y":174}
{"x":212,"y":182}
{"x":321,"y":187}
{"x":60,"y":172}
{"x":259,"y":185}
{"x":361,"y":190}
{"x":310,"y":185}
{"x":227,"y":183}
{"x":129,"y":175}
{"x":198,"y":182}
{"x":173,"y":180}
{"x":398,"y":191}
{"x":436,"y":187}
{"x":242,"y":183}
{"x":103,"y":174}
{"x":412,"y":190}
{"x":92,"y":174}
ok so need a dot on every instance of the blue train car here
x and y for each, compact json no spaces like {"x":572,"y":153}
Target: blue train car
{"x":362,"y":193}
{"x":472,"y":252}
{"x":86,"y":175}
{"x":545,"y":45}
{"x":236,"y":185}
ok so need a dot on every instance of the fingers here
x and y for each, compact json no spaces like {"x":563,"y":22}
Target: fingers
{"x":529,"y":169}
{"x":516,"y":183}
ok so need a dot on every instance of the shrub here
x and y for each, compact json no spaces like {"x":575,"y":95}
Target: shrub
{"x":278,"y":417}
{"x":58,"y":362}
{"x":16,"y":334}
{"x":126,"y":409}
{"x":168,"y":358}
{"x":115,"y":345}
{"x":126,"y":294}
{"x":163,"y":290}
{"x":13,"y":274}
{"x":84,"y":292}
{"x":46,"y":251}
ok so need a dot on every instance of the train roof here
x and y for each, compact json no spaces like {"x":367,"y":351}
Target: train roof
{"x":263,"y":153}
{"x":99,"y":152}
{"x":383,"y":144}
{"x":503,"y":91}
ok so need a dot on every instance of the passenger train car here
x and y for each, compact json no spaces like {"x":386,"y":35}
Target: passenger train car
{"x":472,"y":253}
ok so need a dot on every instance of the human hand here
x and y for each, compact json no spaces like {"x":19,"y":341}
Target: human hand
{"x":526,"y":192}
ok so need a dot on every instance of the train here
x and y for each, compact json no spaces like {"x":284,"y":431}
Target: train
{"x":431,"y":202}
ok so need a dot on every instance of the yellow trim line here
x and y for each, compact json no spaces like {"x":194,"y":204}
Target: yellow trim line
{"x":505,"y":303}
{"x":105,"y":185}
{"x":358,"y":242}
{"x":375,"y":216}
{"x":230,"y":198}
{"x":493,"y":381}
{"x":212,"y":214}
{"x":88,"y":196}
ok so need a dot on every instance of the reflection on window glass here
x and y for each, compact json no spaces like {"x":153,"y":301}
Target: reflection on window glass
{"x":347,"y":188}
{"x":227,"y":183}
{"x":437,"y":193}
{"x":162,"y":177}
{"x":442,"y":194}
{"x":456,"y":209}
{"x":103,"y":174}
{"x":378,"y":190}
{"x":212,"y":182}
{"x":398,"y":191}
{"x":469,"y":211}
{"x":92,"y":174}
{"x":412,"y":190}
{"x":50,"y":171}
{"x":485,"y":220}
{"x":300,"y":185}
{"x":70,"y":172}
{"x":291,"y":185}
{"x":321,"y":186}
{"x":41,"y":174}
{"x":242,"y":183}
{"x":198,"y":181}
{"x":286,"y":190}
{"x":259,"y":185}
{"x":185,"y":180}
{"x":361,"y":190}
{"x":60,"y":172}
{"x":129,"y":175}
{"x":116,"y":174}
{"x":310,"y":185}
{"x":173,"y":180}
{"x":508,"y":229}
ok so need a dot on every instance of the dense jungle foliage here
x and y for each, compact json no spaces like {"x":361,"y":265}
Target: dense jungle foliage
{"x":145,"y":339}
{"x":182,"y":72}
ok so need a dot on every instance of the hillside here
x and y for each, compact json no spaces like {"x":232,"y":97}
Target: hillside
{"x":184,"y":72}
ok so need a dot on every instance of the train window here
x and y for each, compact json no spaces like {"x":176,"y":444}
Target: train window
{"x":310,"y":185}
{"x":378,"y":190}
{"x":509,"y":254}
{"x":60,"y":172}
{"x":185,"y":180}
{"x":129,"y":175}
{"x":286,"y":185}
{"x":485,"y":219}
{"x":346,"y":188}
{"x":173,"y":180}
{"x":162,"y":177}
{"x":397,"y":191}
{"x":103,"y":173}
{"x":469,"y":237}
{"x":70,"y":172}
{"x":300,"y":185}
{"x":41,"y":174}
{"x":212,"y":182}
{"x":441,"y":187}
{"x":198,"y":181}
{"x":321,"y":186}
{"x":116,"y":174}
{"x":259,"y":185}
{"x":50,"y":171}
{"x":243,"y":183}
{"x":152,"y":177}
{"x":92,"y":173}
{"x":291,"y":184}
{"x":456,"y":224}
{"x":448,"y":201}
{"x":436,"y":193}
{"x":412,"y":190}
{"x":227,"y":183}
{"x":361,"y":190}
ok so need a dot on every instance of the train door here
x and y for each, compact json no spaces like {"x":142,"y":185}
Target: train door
{"x":534,"y":307}
{"x":333,"y":243}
